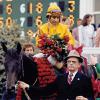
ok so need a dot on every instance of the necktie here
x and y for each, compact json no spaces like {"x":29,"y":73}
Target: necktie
{"x":70,"y":78}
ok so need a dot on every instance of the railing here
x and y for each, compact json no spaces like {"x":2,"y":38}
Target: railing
{"x":91,"y":50}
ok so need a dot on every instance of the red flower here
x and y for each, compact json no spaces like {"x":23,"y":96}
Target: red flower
{"x":66,"y":39}
{"x":59,"y":49}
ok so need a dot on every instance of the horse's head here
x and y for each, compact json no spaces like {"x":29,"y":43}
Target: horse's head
{"x":17,"y":61}
{"x":12,"y":63}
{"x":12,"y":57}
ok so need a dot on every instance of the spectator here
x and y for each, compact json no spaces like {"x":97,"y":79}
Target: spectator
{"x":97,"y":38}
{"x":96,"y":81}
{"x":95,"y":63}
{"x":79,"y":87}
{"x":75,"y":32}
{"x":86,"y":32}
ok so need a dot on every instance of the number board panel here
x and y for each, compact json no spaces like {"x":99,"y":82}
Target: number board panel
{"x":30,"y":14}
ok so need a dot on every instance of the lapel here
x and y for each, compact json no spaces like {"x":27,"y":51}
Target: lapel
{"x":77,"y":78}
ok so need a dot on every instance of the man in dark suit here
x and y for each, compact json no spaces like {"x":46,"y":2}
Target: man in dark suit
{"x":78,"y":86}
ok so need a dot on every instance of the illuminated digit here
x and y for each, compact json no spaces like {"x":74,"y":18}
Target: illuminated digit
{"x":9,"y":0}
{"x":9,"y":9}
{"x":22,"y":8}
{"x":71,"y":6}
{"x":9,"y":21}
{"x":30,"y":7}
{"x":39,"y":7}
{"x":1,"y":22}
{"x":71,"y":17}
{"x":38,"y":21}
{"x":22,"y":19}
{"x":22,"y":35}
{"x":30,"y":33}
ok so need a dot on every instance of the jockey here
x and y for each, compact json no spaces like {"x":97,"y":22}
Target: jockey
{"x":53,"y":26}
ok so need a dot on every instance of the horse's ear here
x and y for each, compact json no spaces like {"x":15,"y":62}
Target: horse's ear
{"x":18,"y":47}
{"x":4,"y":46}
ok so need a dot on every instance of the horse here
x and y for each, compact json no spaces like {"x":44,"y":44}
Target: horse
{"x":17,"y":67}
{"x":37,"y":72}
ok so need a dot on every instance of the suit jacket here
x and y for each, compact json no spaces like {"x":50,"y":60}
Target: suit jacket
{"x":80,"y":86}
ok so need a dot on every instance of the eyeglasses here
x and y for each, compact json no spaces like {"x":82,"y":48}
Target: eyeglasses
{"x":74,"y":62}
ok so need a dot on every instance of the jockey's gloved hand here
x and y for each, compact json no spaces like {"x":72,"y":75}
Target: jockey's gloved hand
{"x":55,"y":63}
{"x":52,"y":60}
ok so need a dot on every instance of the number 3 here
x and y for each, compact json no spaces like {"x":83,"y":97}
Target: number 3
{"x":71,"y":6}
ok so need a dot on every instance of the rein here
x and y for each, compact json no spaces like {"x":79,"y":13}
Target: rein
{"x":19,"y":90}
{"x":25,"y":92}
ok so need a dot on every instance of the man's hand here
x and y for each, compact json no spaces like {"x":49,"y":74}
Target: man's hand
{"x":59,"y":65}
{"x":81,"y":98}
{"x":23,"y":85}
{"x":55,"y":63}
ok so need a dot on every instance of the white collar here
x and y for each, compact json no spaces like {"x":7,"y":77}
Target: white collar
{"x":73,"y":74}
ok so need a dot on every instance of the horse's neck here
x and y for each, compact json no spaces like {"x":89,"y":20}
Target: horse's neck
{"x":29,"y":70}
